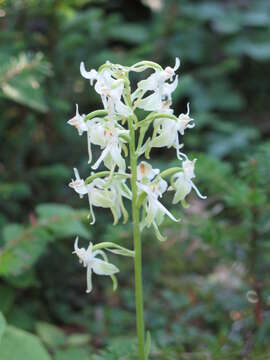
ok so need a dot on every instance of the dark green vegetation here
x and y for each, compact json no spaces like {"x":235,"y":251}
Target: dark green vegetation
{"x":207,"y":292}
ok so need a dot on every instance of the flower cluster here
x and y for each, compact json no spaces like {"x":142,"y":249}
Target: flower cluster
{"x":114,"y":130}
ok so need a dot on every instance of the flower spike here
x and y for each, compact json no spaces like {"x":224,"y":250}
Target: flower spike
{"x":118,"y":134}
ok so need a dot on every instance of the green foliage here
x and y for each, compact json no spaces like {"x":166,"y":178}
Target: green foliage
{"x":24,"y":245}
{"x":17,"y":343}
{"x":71,"y":354}
{"x":50,"y":335}
{"x":2,"y":325}
{"x":197,"y":282}
{"x":20,"y":80}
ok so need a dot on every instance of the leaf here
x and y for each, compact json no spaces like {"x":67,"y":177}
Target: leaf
{"x":24,"y":245}
{"x":25,"y":280}
{"x":71,"y":354}
{"x":20,"y":79}
{"x":18,"y":344}
{"x":204,"y":11}
{"x":14,"y":190}
{"x":257,"y":49}
{"x":130,"y":33}
{"x":147,"y":345}
{"x":2,"y":325}
{"x":50,"y":334}
{"x":21,"y":93}
{"x":120,"y":348}
{"x":11,"y":231}
{"x":24,"y":317}
{"x":56,"y":173}
{"x":51,"y":210}
{"x":7,"y":297}
{"x":78,"y":339}
{"x":63,"y":220}
{"x":22,"y":252}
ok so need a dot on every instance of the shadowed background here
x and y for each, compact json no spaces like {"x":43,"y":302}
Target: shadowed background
{"x":207,"y":294}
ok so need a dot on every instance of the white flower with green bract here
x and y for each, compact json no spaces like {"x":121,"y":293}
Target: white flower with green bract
{"x":89,"y":259}
{"x":123,"y":148}
{"x":105,"y":193}
{"x":182,"y":183}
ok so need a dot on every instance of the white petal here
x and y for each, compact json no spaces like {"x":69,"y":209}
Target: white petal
{"x":197,"y":191}
{"x":101,"y":267}
{"x":90,"y":249}
{"x":167,"y":134}
{"x":102,"y":156}
{"x":89,"y":148}
{"x":145,"y":188}
{"x":145,"y":170}
{"x":117,"y":158}
{"x":91,"y":75}
{"x":165,"y":211}
{"x":177,"y":64}
{"x":79,"y":187}
{"x":89,"y":279}
{"x":78,"y":122}
{"x":122,"y":109}
{"x":151,"y":211}
{"x":102,"y":198}
{"x":169,"y":88}
{"x":182,"y":187}
{"x":188,"y":109}
{"x":151,"y":83}
{"x":76,"y":247}
{"x":162,"y":186}
{"x":77,"y":175}
{"x":152,"y":102}
{"x":188,"y":167}
{"x":91,"y":210}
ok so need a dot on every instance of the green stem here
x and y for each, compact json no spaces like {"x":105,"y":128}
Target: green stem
{"x":154,"y":116}
{"x":170,"y":171}
{"x":96,"y":113}
{"x":137,"y":245}
{"x":109,"y":245}
{"x":104,"y":174}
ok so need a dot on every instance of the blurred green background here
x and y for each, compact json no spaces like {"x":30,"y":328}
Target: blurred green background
{"x":207,"y":292}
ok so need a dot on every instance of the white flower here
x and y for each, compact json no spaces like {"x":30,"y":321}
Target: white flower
{"x":182,"y":183}
{"x":166,"y":132}
{"x":97,"y":195}
{"x":78,"y":122}
{"x":184,"y":120}
{"x":153,"y":209}
{"x":89,"y":259}
{"x":109,"y":88}
{"x":108,"y":137}
{"x":161,"y":89}
{"x":78,"y":184}
{"x":117,"y":185}
{"x":105,"y":193}
{"x":145,"y":170}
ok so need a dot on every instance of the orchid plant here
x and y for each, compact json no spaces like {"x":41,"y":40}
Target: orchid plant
{"x":120,"y":134}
